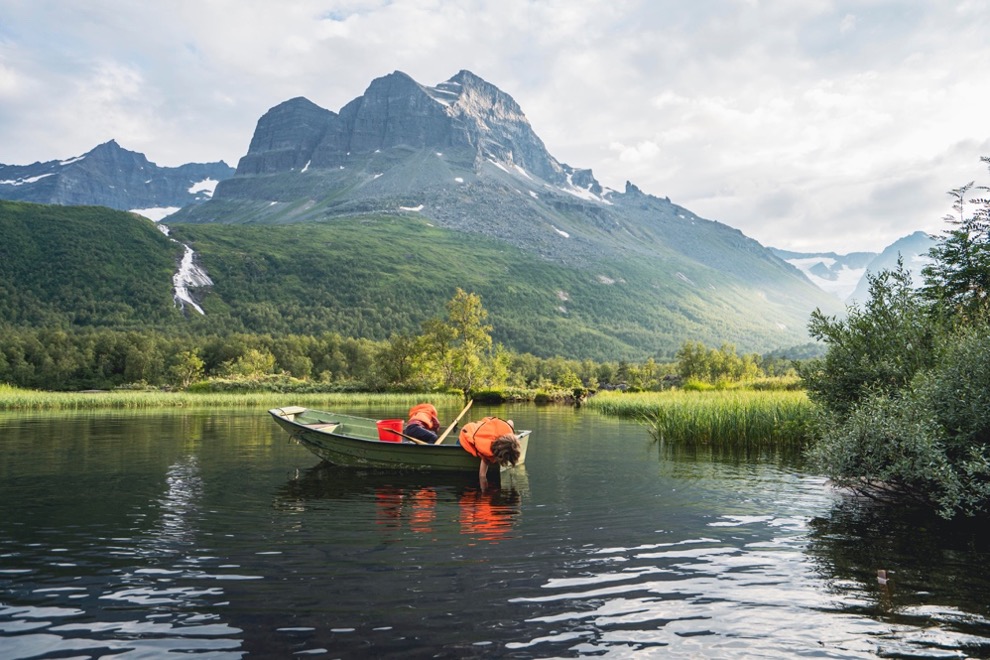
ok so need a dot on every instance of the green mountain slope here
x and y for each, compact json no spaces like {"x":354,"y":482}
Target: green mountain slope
{"x":372,"y":276}
{"x":85,"y":265}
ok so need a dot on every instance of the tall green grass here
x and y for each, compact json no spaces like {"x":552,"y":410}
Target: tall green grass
{"x":13,"y":398}
{"x":729,"y":418}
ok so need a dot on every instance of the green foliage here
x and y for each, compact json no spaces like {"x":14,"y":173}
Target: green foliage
{"x":395,"y":361}
{"x":959,"y":389}
{"x":472,"y":339}
{"x":958,"y":279}
{"x":904,"y":394}
{"x":186,"y":367}
{"x":737,"y":418}
{"x":107,"y":359}
{"x":63,"y":267}
{"x":884,"y":445}
{"x":253,"y":363}
{"x":373,"y":277}
{"x":104,"y":359}
{"x":878,"y":348}
{"x":928,"y":443}
{"x":696,"y":362}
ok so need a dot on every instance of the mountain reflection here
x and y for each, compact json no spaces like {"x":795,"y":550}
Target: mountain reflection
{"x":179,"y":503}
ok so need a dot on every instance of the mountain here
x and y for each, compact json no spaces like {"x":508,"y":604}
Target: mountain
{"x":459,"y":164}
{"x":364,"y":222}
{"x":113,"y":177}
{"x":838,"y":274}
{"x":846,"y":276}
{"x":913,"y":249}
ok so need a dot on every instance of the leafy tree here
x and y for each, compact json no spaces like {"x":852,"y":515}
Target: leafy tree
{"x":695,"y":361}
{"x":395,"y":360}
{"x":436,"y":346}
{"x":252,"y":364}
{"x":186,"y":368}
{"x":877,"y":348}
{"x":959,"y":276}
{"x":472,"y":338}
{"x":458,"y":349}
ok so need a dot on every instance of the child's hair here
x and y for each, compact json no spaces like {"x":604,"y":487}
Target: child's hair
{"x":506,"y":449}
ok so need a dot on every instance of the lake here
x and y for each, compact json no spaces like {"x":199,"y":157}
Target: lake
{"x":138,"y":534}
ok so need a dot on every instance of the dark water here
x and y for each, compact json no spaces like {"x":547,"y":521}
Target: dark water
{"x":143,"y":535}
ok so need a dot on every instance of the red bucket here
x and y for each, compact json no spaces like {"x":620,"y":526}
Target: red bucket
{"x":385,"y":428}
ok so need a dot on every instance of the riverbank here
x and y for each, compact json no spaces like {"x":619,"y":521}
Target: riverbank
{"x":736,"y":418}
{"x":13,"y":399}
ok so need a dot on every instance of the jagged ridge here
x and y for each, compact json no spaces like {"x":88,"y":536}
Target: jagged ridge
{"x":111,"y":176}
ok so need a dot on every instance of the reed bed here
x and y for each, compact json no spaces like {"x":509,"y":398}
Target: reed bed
{"x":730,"y":418}
{"x":12,"y":398}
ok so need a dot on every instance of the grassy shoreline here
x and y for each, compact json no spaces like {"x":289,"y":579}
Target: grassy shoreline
{"x":731,"y":418}
{"x":16,"y":399}
{"x":719,"y":418}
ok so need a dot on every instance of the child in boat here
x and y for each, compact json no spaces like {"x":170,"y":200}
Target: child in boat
{"x":494,"y":441}
{"x":423,"y":423}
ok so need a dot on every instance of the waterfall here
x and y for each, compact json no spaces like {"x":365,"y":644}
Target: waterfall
{"x":189,"y":276}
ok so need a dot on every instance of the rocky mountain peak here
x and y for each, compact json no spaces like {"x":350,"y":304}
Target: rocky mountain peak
{"x":464,"y":114}
{"x":286,"y":137}
{"x":112,"y":154}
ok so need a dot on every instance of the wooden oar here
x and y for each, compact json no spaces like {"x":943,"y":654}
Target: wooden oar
{"x":454,"y":423}
{"x":407,"y":437}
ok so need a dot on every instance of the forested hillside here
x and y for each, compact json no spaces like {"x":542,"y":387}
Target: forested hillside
{"x":83,"y":266}
{"x":374,"y":276}
{"x":367,"y":277}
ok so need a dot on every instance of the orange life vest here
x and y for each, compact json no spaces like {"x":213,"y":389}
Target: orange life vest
{"x":477,"y":437}
{"x":426,"y":415}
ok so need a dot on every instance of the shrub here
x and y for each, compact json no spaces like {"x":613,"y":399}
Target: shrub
{"x":926,"y":443}
{"x":877,"y":348}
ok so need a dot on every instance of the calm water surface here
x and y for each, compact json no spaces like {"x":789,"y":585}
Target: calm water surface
{"x":141,"y":535}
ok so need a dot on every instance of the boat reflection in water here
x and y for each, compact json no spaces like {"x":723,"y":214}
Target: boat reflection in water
{"x":416,"y":503}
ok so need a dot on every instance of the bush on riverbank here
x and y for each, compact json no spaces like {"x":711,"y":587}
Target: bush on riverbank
{"x":925,"y":442}
{"x":905,"y":384}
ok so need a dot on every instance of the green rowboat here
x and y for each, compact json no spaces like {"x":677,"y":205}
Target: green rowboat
{"x":353,"y":442}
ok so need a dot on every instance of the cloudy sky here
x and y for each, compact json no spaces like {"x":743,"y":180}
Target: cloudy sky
{"x":807,"y":124}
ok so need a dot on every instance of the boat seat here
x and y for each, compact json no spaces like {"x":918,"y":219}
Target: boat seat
{"x":328,"y":427}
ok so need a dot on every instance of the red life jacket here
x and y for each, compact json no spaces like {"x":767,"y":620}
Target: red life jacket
{"x":477,"y":437}
{"x":424,"y":414}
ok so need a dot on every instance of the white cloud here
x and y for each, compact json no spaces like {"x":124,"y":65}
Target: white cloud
{"x":805,"y":124}
{"x":848,"y":23}
{"x":644,"y":151}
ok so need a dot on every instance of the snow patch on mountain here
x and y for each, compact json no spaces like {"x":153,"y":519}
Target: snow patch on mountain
{"x":845,"y":275}
{"x":830,"y":274}
{"x":26,"y":180}
{"x":584,"y":193}
{"x":205,"y":186}
{"x":156,"y":214}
